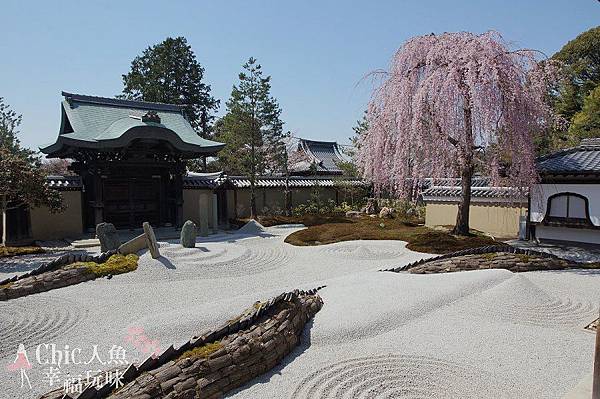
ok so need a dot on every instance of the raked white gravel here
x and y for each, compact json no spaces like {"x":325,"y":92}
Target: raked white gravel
{"x":490,"y":334}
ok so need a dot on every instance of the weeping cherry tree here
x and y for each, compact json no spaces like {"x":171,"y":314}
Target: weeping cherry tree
{"x":453,"y":104}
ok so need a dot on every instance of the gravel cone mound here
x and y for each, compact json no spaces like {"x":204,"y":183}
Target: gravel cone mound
{"x":252,"y":228}
{"x":520,"y":301}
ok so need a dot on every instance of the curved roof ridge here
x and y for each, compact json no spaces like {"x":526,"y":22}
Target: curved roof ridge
{"x":147,"y":105}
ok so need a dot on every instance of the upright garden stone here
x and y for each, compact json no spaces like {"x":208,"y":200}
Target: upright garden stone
{"x":151,"y":240}
{"x":108,"y":236}
{"x":188,"y":234}
{"x":203,"y":228}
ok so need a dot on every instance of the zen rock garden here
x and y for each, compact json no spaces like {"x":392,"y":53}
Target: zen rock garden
{"x":307,"y":342}
{"x":172,"y":243}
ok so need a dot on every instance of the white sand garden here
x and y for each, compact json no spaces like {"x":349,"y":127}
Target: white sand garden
{"x":379,"y":335}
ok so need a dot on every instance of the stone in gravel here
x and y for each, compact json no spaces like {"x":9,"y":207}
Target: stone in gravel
{"x":151,"y":240}
{"x":108,"y":236}
{"x":188,"y":234}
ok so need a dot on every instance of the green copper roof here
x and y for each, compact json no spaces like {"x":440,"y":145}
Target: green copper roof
{"x":108,"y":123}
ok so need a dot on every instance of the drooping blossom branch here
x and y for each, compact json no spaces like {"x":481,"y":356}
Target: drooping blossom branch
{"x":450,"y":101}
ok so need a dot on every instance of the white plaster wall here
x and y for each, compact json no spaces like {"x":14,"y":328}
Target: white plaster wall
{"x":541,"y":192}
{"x":568,"y":234}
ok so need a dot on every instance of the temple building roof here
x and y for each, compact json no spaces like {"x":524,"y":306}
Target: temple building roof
{"x":324,"y":155}
{"x":99,"y":123}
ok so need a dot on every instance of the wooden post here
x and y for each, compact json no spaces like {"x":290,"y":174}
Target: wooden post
{"x":98,"y":200}
{"x":179,"y":199}
{"x":596,"y":376}
{"x":4,"y":220}
{"x":235,"y":203}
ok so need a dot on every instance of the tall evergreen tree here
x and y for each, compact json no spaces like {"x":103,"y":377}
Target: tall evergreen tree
{"x":586,"y":123}
{"x":252,"y":129}
{"x":581,"y":58}
{"x":169,"y":73}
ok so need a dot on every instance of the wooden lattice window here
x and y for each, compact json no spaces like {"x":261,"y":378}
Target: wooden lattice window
{"x":568,"y":208}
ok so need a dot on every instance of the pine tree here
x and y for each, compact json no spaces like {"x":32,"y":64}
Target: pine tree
{"x":169,"y":73}
{"x":252,"y":129}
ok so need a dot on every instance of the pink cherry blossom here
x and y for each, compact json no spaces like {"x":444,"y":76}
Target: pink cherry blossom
{"x":452,"y":103}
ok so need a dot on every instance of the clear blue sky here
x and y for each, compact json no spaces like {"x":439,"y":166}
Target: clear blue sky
{"x":315,"y":51}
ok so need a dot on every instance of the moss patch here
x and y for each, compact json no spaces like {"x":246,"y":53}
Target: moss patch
{"x":202,"y":351}
{"x":524,"y":258}
{"x":4,"y":286}
{"x":307,"y":220}
{"x":16,"y":251}
{"x":419,"y":238}
{"x":116,"y":264}
{"x":490,"y":256}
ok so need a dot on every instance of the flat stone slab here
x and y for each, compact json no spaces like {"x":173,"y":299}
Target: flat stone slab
{"x":134,"y":245}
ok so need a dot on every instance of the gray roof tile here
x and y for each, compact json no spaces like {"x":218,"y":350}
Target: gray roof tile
{"x":583,"y":159}
{"x":99,"y":122}
{"x":326,"y":155}
{"x":493,"y":193}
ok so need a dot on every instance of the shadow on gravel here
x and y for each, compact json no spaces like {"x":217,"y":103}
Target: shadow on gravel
{"x":581,"y":272}
{"x":167,"y":263}
{"x":266,"y":377}
{"x":25,"y":263}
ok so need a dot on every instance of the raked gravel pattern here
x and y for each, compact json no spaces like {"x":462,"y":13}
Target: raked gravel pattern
{"x":488,"y":333}
{"x":398,"y":376}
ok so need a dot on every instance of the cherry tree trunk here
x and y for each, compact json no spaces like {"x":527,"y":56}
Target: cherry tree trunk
{"x":466,"y":176}
{"x":462,"y":217}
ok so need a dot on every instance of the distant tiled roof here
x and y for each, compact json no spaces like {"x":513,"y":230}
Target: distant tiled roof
{"x":98,"y":122}
{"x":212,"y":181}
{"x":195,"y":181}
{"x":64,"y":183}
{"x":581,"y":160}
{"x":477,"y":181}
{"x":325,"y":155}
{"x":452,"y":193}
{"x":203,"y":180}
